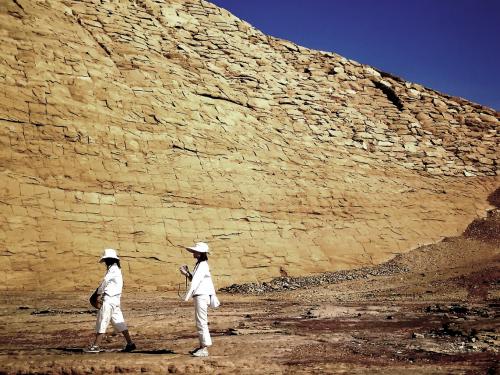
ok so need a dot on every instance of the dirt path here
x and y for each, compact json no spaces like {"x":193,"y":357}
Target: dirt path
{"x":438,"y":314}
{"x":267,"y":334}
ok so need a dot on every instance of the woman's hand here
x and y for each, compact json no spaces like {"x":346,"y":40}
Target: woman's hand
{"x":100,"y":299}
{"x":184,"y":270}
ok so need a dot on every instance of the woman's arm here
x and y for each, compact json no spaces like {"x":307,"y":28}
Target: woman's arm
{"x":199,"y":273}
{"x":102,"y":286}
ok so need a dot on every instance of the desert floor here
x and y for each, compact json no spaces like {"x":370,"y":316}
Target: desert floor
{"x":438,"y":313}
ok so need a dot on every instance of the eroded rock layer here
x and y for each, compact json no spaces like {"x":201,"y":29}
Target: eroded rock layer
{"x":147,"y":125}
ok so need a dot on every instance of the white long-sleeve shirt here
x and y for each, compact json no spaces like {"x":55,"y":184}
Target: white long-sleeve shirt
{"x":112,"y":284}
{"x":201,"y":282}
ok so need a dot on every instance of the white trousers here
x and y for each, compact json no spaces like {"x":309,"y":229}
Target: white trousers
{"x":110,"y":311}
{"x":201,"y":303}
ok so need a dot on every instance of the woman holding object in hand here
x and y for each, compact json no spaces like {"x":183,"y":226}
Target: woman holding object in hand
{"x":203,"y":292}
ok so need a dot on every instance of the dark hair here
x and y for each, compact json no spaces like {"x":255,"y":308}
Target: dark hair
{"x":203,"y":257}
{"x":110,"y":261}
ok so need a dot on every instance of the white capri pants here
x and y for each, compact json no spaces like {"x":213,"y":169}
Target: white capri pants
{"x":110,"y":311}
{"x":201,"y":303}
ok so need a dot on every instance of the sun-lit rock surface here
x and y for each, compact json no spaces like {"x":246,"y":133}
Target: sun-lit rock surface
{"x":147,"y":125}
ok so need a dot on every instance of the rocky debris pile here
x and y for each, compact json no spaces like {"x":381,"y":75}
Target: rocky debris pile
{"x":389,"y":268}
{"x":471,"y":327}
{"x":458,"y":310}
{"x":470,"y":337}
{"x":485,"y":229}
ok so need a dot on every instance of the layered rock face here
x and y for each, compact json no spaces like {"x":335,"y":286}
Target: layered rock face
{"x":148,"y":125}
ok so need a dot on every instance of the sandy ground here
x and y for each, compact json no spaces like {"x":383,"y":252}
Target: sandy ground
{"x":440,"y":317}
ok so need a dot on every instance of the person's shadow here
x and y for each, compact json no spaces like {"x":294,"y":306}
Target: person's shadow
{"x":150,"y":351}
{"x":154,"y":351}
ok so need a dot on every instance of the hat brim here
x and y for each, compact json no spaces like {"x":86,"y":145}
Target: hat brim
{"x":194,"y":250}
{"x":103,"y":258}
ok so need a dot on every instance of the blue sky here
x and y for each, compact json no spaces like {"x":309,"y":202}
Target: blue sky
{"x":452,"y":46}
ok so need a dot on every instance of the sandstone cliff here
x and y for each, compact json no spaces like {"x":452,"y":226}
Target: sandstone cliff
{"x":146,"y":125}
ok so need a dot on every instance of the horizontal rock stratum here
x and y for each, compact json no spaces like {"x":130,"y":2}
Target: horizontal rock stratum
{"x":148,"y":125}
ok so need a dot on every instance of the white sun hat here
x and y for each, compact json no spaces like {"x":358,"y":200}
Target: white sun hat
{"x":109,"y":253}
{"x":199,"y":247}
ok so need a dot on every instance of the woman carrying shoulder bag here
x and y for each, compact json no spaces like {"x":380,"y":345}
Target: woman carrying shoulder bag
{"x":108,"y":297}
{"x":203,"y":292}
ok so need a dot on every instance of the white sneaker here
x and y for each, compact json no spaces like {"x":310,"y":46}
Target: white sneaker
{"x":92,"y":349}
{"x":202,"y":352}
{"x":194,"y":350}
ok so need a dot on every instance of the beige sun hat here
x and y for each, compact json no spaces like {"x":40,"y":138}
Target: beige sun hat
{"x":109,"y":254}
{"x":199,"y":247}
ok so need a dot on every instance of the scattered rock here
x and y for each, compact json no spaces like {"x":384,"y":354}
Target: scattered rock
{"x":293,"y":283}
